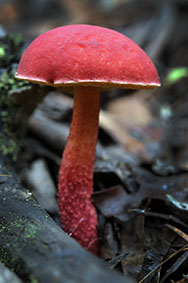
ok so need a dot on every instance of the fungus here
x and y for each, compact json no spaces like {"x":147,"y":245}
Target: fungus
{"x":85,"y":59}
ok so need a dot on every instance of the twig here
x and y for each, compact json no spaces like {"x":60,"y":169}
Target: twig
{"x":185,"y":248}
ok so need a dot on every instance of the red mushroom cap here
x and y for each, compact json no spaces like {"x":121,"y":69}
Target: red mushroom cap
{"x":87,"y":55}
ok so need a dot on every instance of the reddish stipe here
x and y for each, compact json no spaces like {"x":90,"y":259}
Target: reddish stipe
{"x":87,"y":59}
{"x":76,"y":170}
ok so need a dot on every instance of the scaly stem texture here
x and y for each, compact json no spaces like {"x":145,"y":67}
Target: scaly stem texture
{"x":78,"y":215}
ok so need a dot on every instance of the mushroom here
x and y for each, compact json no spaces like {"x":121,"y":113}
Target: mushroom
{"x":85,"y":59}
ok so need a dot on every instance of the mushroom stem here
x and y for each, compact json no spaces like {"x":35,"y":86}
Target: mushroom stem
{"x":78,"y":215}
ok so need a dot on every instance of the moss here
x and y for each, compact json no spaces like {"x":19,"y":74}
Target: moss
{"x":32,"y":279}
{"x":14,"y":92}
{"x":2,"y":228}
{"x":10,"y":49}
{"x":30,"y":231}
{"x":8,"y":147}
{"x":9,"y":117}
{"x":22,"y":230}
{"x":4,"y":257}
{"x":10,"y":133}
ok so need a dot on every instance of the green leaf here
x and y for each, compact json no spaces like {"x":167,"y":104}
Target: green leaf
{"x":176,"y":74}
{"x":2,"y":51}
